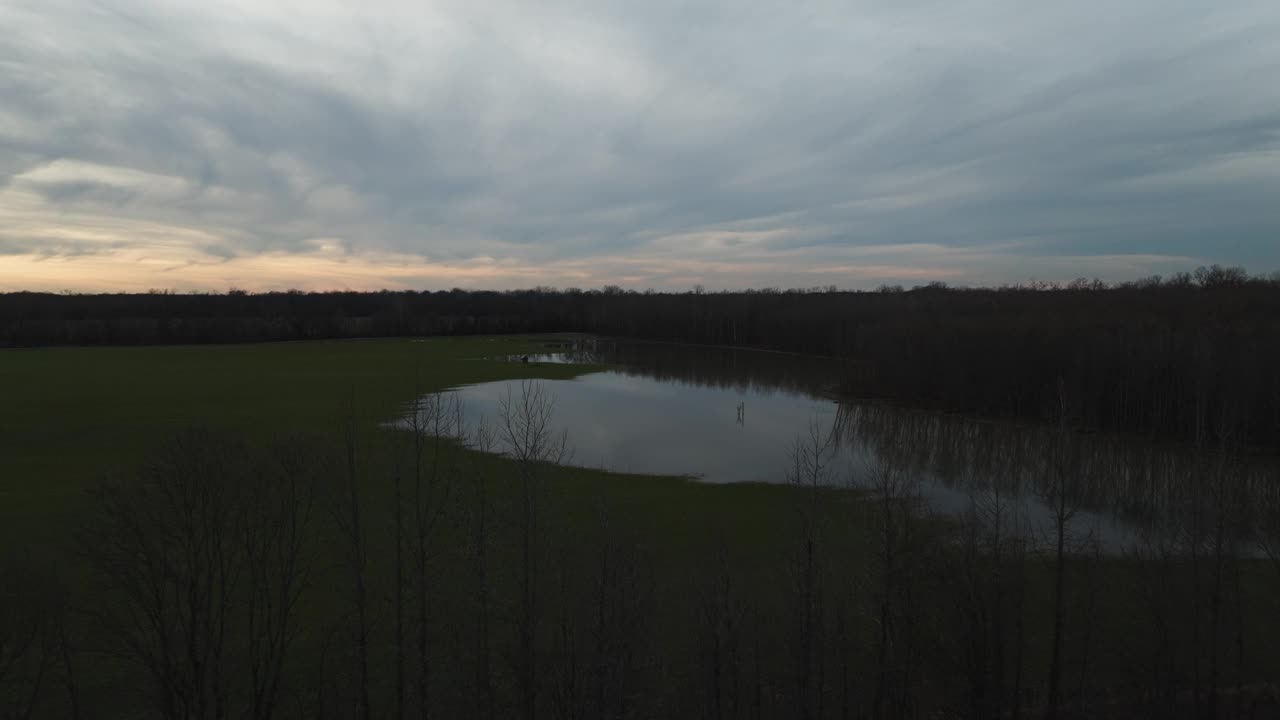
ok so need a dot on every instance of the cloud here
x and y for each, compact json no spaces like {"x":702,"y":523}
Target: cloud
{"x":650,"y":144}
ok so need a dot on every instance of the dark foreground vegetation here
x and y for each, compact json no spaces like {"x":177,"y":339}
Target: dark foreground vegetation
{"x":1143,"y":357}
{"x":365,"y":573}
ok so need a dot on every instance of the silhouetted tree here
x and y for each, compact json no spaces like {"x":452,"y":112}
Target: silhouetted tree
{"x":346,"y":509}
{"x":202,"y":559}
{"x":529,"y":439}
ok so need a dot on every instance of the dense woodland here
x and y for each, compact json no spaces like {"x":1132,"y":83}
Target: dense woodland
{"x":1143,"y":357}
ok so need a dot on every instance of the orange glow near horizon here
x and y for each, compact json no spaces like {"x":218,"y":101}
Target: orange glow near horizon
{"x":137,"y":272}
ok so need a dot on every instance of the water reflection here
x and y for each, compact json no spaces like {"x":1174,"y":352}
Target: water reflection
{"x":555,"y":358}
{"x":628,"y":422}
{"x":724,"y":415}
{"x":706,"y":366}
{"x":1121,"y":488}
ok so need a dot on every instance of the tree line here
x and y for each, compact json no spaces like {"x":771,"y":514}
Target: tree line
{"x":1140,"y":357}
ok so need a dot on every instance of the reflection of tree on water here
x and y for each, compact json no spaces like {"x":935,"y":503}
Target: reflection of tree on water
{"x":1137,"y":487}
{"x":1148,"y":487}
{"x":725,"y":368}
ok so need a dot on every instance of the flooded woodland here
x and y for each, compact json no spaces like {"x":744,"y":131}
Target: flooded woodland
{"x":724,"y":415}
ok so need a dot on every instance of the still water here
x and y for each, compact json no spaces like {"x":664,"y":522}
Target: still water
{"x":626,"y":422}
{"x":723,"y":415}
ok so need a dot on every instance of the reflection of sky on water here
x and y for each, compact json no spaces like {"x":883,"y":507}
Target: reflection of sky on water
{"x":635,"y":424}
{"x":673,"y":410}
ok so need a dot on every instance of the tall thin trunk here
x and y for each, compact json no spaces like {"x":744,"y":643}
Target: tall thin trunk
{"x":1086,"y":634}
{"x":887,"y":589}
{"x":398,"y":500}
{"x":529,"y":598}
{"x":68,"y":666}
{"x":757,"y":686}
{"x":356,"y":542}
{"x":526,"y":429}
{"x":846,"y":680}
{"x":806,"y":633}
{"x":1019,"y":633}
{"x":1062,"y":513}
{"x":422,"y":500}
{"x":1059,"y":610}
{"x":484,"y":677}
{"x":1215,"y":596}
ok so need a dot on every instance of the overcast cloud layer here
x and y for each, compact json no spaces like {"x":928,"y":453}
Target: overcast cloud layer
{"x":165,"y":144}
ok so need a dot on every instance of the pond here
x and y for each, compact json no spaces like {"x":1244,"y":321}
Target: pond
{"x":726,"y":415}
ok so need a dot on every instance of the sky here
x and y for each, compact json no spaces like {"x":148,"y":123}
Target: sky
{"x":427,"y":144}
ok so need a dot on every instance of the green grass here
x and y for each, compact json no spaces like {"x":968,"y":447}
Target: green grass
{"x":76,"y":416}
{"x":72,"y":416}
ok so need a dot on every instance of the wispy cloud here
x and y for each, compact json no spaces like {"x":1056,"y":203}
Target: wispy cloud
{"x":404,"y":144}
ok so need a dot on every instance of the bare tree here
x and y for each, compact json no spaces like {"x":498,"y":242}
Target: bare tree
{"x":1058,"y":490}
{"x":528,"y":438}
{"x":482,"y":441}
{"x":32,"y":641}
{"x":810,"y":458}
{"x":203,"y":559}
{"x":1018,"y":560}
{"x":398,"y":589}
{"x":722,"y":619}
{"x":349,"y":518}
{"x":169,"y":554}
{"x":987,"y":575}
{"x":277,"y":531}
{"x":1092,"y":561}
{"x":600,"y":611}
{"x":895,"y":490}
{"x":438,"y":433}
{"x":1155,"y":557}
{"x":1227,"y":512}
{"x":622,"y":595}
{"x":1267,"y":525}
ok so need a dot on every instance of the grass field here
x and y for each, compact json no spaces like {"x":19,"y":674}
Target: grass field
{"x":75,"y":415}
